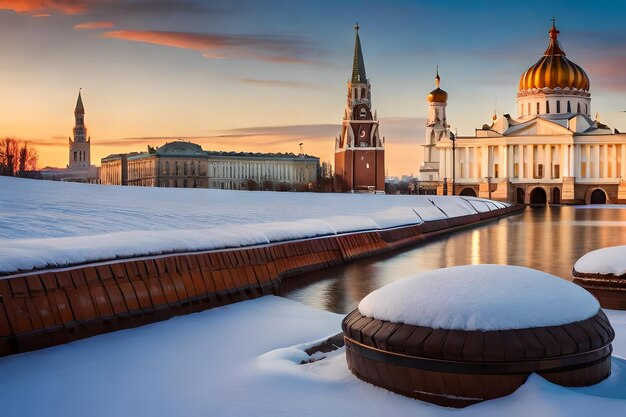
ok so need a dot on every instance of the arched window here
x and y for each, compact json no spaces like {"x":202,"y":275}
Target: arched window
{"x":75,"y":156}
{"x":558,"y":106}
{"x":363,"y":93}
{"x":569,"y":107}
{"x":578,"y":108}
{"x":193,"y":168}
{"x":185,"y":170}
{"x":537,"y":107}
{"x":167,"y":167}
{"x":547,"y":107}
{"x":586,"y":109}
{"x":176,"y":168}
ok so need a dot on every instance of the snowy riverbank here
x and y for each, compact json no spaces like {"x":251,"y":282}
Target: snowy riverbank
{"x":44,"y":223}
{"x":239,"y":360}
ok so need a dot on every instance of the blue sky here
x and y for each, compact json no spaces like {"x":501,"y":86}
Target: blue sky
{"x":241,"y":74}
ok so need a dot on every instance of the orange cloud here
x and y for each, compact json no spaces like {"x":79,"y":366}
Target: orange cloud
{"x":94,"y":25}
{"x":33,"y":6}
{"x":274,"y":49}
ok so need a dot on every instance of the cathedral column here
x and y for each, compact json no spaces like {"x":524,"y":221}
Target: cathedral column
{"x":588,"y":156}
{"x":565,"y":159}
{"x":530,"y":171}
{"x":623,"y":162}
{"x":547,"y":157}
{"x":503,"y":155}
{"x":596,"y":167}
{"x":605,"y":162}
{"x":466,"y":163}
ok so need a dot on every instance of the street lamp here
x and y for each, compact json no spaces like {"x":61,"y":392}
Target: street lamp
{"x":453,"y":139}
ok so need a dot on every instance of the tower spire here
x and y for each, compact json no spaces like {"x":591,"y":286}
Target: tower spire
{"x":437,"y":78}
{"x":79,"y":104}
{"x":358,"y":65}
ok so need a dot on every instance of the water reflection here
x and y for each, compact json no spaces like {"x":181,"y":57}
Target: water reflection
{"x":549,"y":239}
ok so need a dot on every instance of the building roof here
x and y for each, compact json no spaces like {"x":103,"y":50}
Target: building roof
{"x":358,"y":65}
{"x":180,"y":148}
{"x":276,"y":156}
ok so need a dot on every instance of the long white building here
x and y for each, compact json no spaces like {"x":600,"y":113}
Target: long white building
{"x":554,"y":152}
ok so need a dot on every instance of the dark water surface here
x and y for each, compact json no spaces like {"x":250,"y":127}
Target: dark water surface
{"x":548,"y":239}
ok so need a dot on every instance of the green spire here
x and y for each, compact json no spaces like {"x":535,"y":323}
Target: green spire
{"x":358,"y":66}
{"x":79,"y":105}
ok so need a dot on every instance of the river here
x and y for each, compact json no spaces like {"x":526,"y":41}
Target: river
{"x":548,"y":239}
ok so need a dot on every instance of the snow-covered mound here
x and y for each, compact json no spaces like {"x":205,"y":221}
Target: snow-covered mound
{"x":605,"y":261}
{"x":52,"y":223}
{"x":481,"y":297}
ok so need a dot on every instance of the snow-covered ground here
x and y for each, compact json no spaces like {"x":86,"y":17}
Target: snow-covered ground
{"x":242,"y":360}
{"x":52,"y":223}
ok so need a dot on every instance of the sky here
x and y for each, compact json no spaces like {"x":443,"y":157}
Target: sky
{"x":264,"y":76}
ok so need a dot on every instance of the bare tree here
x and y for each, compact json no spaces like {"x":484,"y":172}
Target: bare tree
{"x":17,"y":157}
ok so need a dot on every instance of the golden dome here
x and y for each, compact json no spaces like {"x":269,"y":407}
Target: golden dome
{"x":554,"y":70}
{"x":437,"y":95}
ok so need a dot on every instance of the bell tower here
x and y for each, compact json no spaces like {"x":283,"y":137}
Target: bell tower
{"x":79,"y":148}
{"x":359,"y":149}
{"x":437,"y":128}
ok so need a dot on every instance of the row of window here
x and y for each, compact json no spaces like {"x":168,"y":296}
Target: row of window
{"x":185,"y":170}
{"x":80,"y":156}
{"x":558,"y":108}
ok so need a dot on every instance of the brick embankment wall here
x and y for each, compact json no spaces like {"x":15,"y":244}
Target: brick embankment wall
{"x":49,"y":307}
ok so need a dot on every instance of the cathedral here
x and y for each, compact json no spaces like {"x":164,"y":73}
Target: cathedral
{"x":553,"y":152}
{"x":359,"y":149}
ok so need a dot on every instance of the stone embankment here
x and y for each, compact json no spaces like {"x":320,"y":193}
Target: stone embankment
{"x":47,"y":307}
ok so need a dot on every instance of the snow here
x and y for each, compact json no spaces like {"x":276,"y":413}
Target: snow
{"x":605,"y":261}
{"x":243,"y":360}
{"x":44,"y":223}
{"x":481,"y":297}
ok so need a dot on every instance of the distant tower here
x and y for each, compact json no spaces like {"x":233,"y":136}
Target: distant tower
{"x":437,"y":128}
{"x":79,"y":157}
{"x":359,"y":150}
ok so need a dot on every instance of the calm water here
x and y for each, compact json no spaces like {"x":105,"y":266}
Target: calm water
{"x":547,"y":239}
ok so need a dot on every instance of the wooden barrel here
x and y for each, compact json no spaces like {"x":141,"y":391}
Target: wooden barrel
{"x":609,"y":289}
{"x":457,"y":368}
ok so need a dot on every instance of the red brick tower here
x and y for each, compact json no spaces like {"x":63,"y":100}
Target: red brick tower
{"x":359,"y":150}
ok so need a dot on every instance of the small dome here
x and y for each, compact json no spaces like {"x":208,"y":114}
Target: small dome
{"x":437,"y":96}
{"x":553,"y":70}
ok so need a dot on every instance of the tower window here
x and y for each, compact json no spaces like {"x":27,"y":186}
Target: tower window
{"x":558,"y":106}
{"x":547,"y":107}
{"x":185,"y":171}
{"x":586,"y":109}
{"x":363,"y":93}
{"x":537,"y":108}
{"x":578,"y":108}
{"x":75,"y":156}
{"x":176,"y":168}
{"x":569,"y":106}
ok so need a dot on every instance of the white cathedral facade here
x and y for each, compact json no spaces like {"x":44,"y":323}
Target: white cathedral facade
{"x":554,"y":151}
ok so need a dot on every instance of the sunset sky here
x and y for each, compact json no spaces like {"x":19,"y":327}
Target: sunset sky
{"x":267,"y":75}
